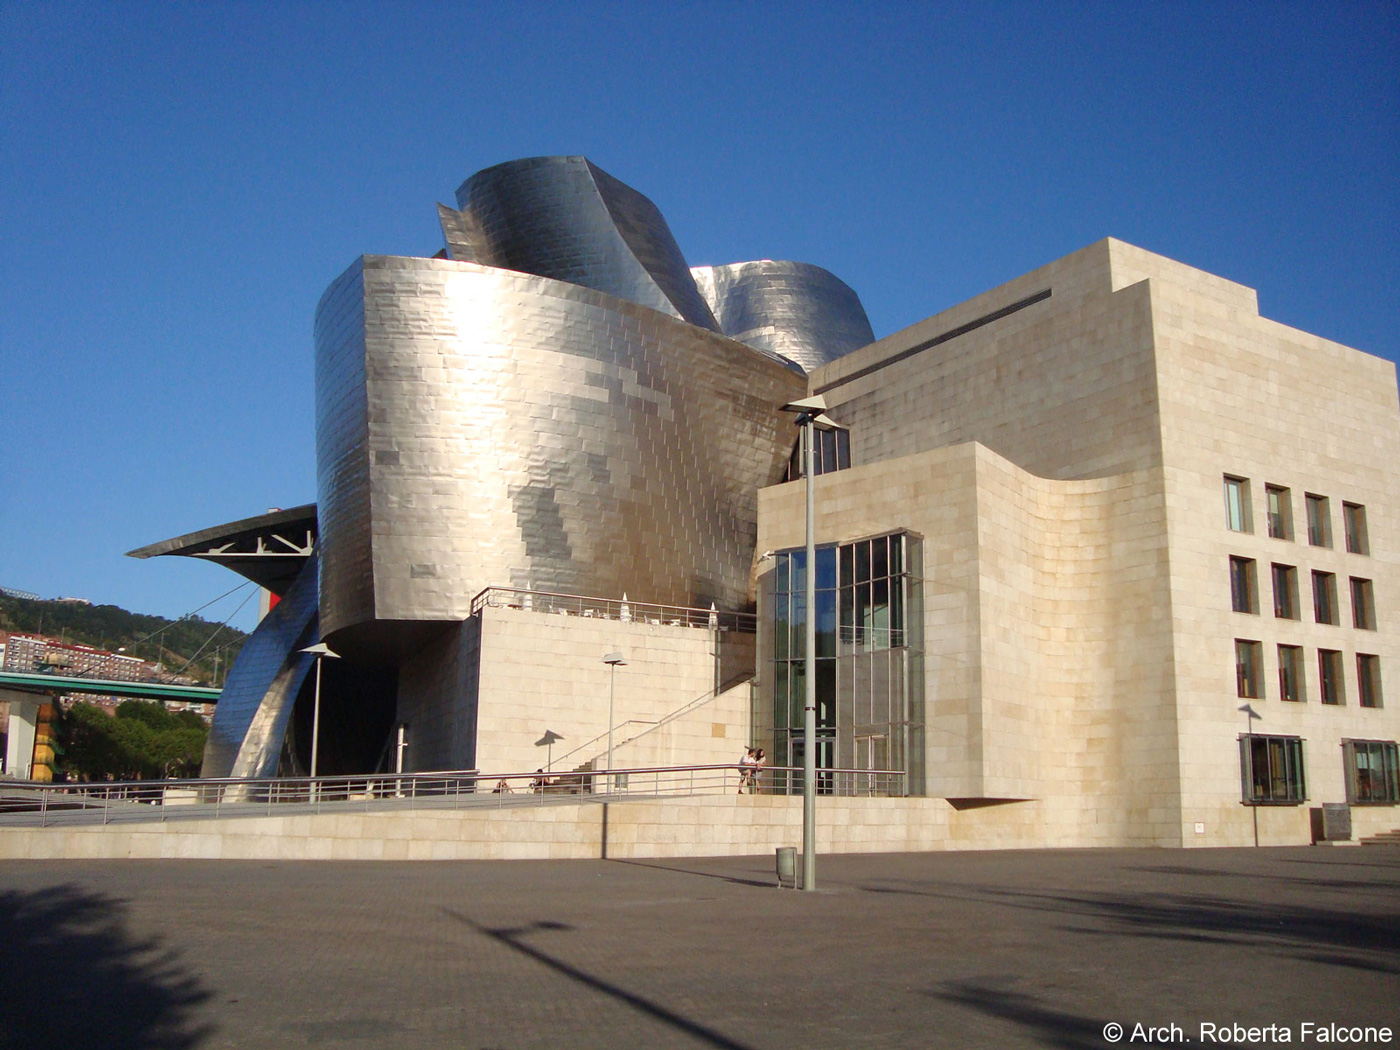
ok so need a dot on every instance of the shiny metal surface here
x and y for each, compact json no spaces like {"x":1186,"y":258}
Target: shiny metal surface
{"x":566,"y":218}
{"x":803,"y":312}
{"x":477,"y":427}
{"x":250,"y":721}
{"x":270,"y":549}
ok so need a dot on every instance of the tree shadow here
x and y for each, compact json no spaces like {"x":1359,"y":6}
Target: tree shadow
{"x":73,"y":976}
{"x":513,"y":938}
{"x":1052,"y":1027}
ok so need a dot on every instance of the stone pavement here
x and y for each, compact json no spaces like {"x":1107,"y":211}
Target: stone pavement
{"x":998,"y":949}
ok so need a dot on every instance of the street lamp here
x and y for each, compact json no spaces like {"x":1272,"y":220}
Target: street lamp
{"x":318,"y":650}
{"x":613,"y":660}
{"x":809,"y":416}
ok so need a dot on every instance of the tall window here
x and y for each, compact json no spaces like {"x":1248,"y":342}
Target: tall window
{"x":866,"y":635}
{"x":1363,"y":605}
{"x":1319,"y":521}
{"x":1329,"y":676}
{"x":1354,"y":521}
{"x":1325,"y":597}
{"x":1373,"y":771}
{"x":1280,"y":512}
{"x":1249,"y":658}
{"x":1236,"y":504}
{"x":1286,"y":592}
{"x":1290,"y":673}
{"x":1271,"y":769}
{"x":831,"y":451}
{"x":1368,"y":679}
{"x":1243,"y":589}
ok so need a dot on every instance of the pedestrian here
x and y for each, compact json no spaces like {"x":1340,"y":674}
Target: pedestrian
{"x":746,"y":768}
{"x":759,"y":758}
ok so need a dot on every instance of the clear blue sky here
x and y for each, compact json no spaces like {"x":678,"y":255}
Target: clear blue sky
{"x":180,"y":182}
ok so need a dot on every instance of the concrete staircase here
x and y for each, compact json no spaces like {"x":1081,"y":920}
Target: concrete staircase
{"x":1385,"y":838}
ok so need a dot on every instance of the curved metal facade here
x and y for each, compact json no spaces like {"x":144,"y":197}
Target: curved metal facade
{"x":250,"y":722}
{"x":478,"y":426}
{"x":563,"y":217}
{"x":803,"y":312}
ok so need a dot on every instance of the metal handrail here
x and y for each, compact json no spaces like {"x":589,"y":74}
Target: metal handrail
{"x":625,"y":610}
{"x":26,"y":803}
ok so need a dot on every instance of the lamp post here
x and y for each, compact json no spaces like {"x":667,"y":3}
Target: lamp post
{"x":809,"y":412}
{"x":1249,"y":716}
{"x":613,"y":660}
{"x":319,"y":650}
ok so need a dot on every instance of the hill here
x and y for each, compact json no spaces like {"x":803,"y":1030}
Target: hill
{"x":203,"y":645}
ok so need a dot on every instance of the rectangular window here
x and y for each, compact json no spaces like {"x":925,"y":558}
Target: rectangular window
{"x":1286,"y":592}
{"x":1329,"y":677}
{"x":1325,"y":597}
{"x":1271,"y":769}
{"x":1373,"y":771}
{"x":1363,"y":605}
{"x":1280,"y":512}
{"x":1237,"y":504}
{"x":1290,"y":673}
{"x":1354,"y":521}
{"x":1368,"y":679}
{"x":1249,"y":657}
{"x":1319,"y":521}
{"x":1243,"y":588}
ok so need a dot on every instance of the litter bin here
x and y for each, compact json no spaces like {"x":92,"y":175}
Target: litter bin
{"x":787,"y":867}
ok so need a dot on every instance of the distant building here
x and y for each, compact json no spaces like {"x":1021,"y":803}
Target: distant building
{"x":14,"y":592}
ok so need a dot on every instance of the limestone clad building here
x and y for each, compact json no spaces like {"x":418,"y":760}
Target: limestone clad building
{"x":1104,"y":557}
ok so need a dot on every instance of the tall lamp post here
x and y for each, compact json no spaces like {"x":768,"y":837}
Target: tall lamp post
{"x":319,"y":650}
{"x":613,"y":660}
{"x":809,"y":413}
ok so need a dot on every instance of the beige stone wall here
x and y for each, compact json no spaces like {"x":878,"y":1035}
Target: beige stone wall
{"x":1031,"y":589}
{"x":544,"y":671}
{"x":1245,"y":396}
{"x":1062,"y":388}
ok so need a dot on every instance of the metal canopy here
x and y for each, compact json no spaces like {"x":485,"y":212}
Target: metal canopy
{"x":269,"y":549}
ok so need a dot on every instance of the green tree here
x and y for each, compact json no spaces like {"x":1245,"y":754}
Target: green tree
{"x":143,"y":741}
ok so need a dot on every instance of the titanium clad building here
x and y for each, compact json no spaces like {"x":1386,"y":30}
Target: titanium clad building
{"x":1104,"y":557}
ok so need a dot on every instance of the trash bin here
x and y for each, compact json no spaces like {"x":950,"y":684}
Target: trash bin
{"x":787,"y":867}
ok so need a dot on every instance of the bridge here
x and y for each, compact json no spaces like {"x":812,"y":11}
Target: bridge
{"x":24,"y":691}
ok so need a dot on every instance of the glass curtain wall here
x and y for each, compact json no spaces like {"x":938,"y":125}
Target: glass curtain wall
{"x":868,"y":667}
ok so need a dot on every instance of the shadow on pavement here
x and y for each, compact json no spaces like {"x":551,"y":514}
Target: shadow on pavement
{"x":73,"y":976}
{"x":766,"y":883}
{"x":513,"y":938}
{"x":1050,"y":1027}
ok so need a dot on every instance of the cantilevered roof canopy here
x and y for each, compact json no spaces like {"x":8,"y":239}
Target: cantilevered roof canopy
{"x":269,"y":549}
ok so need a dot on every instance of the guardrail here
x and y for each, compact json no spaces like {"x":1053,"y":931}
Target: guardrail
{"x":33,"y":804}
{"x":612,"y":609}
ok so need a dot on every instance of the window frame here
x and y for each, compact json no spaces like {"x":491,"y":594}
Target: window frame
{"x":1290,"y":658}
{"x":1369,"y":691}
{"x":1388,"y":754}
{"x":1280,"y":523}
{"x":1331,"y":678}
{"x":1249,"y":669}
{"x":1293,"y":775}
{"x":1239,"y":487}
{"x":1290,"y":609}
{"x":1319,"y":520}
{"x":1358,"y":539}
{"x":1244,"y":585}
{"x":1363,"y":604}
{"x":1325,"y":598}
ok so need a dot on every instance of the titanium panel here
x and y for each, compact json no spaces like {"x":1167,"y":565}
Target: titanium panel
{"x":477,"y":426}
{"x":250,"y":720}
{"x":803,"y":312}
{"x":564,"y":218}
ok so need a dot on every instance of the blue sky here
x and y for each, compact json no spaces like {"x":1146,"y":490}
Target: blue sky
{"x":180,"y":182}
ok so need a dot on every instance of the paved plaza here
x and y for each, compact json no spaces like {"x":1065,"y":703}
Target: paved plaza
{"x":1013,"y":949}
